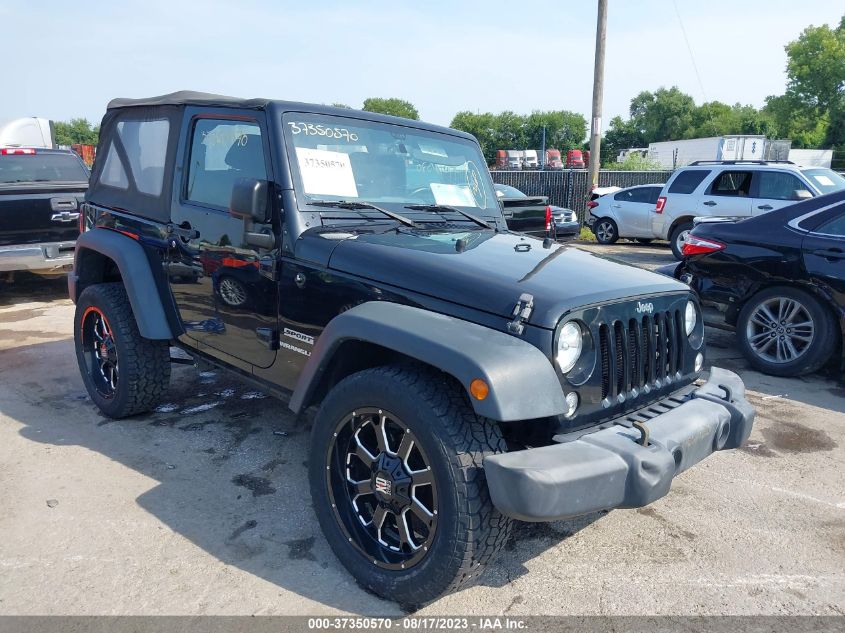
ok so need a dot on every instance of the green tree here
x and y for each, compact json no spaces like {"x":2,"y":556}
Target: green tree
{"x":634,"y":162}
{"x":564,"y":129}
{"x":815,"y":88}
{"x":482,"y":126}
{"x":392,"y":106}
{"x":76,"y":131}
{"x":663,"y":115}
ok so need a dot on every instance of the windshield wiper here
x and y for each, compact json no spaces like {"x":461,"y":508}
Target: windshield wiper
{"x":348,"y":204}
{"x":446,"y":207}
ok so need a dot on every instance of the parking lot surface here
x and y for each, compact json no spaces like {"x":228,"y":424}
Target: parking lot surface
{"x":202,"y":507}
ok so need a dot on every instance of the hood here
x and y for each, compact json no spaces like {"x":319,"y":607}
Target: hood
{"x":489,"y":271}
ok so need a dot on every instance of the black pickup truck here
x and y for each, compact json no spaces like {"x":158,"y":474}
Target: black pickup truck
{"x":40,"y":193}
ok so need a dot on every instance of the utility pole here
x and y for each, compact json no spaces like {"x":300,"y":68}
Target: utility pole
{"x":598,"y":94}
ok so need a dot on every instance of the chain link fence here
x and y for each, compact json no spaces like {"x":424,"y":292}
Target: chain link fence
{"x":571,"y":188}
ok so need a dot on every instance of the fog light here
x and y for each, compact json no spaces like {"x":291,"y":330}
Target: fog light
{"x":571,"y":404}
{"x":699,"y":362}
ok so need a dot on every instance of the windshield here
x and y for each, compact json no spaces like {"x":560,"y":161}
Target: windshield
{"x":509,"y":192}
{"x":825,"y":180}
{"x":338,"y":158}
{"x":21,"y":168}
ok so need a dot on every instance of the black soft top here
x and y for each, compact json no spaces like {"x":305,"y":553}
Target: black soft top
{"x":122,"y":149}
{"x":192,"y":98}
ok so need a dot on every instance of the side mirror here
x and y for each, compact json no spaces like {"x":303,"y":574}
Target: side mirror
{"x":251,"y":199}
{"x":801,"y":194}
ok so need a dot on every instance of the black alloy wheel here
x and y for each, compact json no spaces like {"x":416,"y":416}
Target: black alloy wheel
{"x":382,"y":489}
{"x":99,"y":351}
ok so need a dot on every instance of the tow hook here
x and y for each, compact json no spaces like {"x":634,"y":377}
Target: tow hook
{"x":643,"y":429}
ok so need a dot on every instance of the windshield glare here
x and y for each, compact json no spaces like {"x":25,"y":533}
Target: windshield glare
{"x":339,"y":158}
{"x":825,"y":180}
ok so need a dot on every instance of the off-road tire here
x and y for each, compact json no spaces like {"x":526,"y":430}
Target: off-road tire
{"x":674,"y":236}
{"x":819,"y":351}
{"x":610,"y":236}
{"x":470,"y":530}
{"x":144,"y":364}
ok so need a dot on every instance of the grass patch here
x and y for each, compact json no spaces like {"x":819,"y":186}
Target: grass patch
{"x":587,"y":235}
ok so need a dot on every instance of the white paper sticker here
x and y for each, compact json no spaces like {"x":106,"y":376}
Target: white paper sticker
{"x":326,"y":173}
{"x":453,"y":195}
{"x":823,"y":180}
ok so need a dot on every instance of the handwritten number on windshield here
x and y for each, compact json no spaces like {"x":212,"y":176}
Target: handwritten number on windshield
{"x":311,"y":129}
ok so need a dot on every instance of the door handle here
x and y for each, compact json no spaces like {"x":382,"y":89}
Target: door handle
{"x":709,"y":203}
{"x":766,"y":207}
{"x":616,"y":206}
{"x":830,"y":253}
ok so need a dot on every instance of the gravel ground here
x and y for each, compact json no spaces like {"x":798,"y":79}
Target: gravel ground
{"x":202,"y":507}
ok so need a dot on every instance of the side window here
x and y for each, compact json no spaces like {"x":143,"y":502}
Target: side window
{"x":836,"y":226}
{"x":731,"y":183}
{"x":779,"y":185}
{"x":146,"y":148}
{"x":625,"y":196}
{"x":221,"y":153}
{"x":113,"y":173}
{"x":688,"y":181}
{"x":652,"y":194}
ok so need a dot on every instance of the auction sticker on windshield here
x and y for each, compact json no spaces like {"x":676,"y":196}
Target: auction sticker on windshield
{"x":453,"y":195}
{"x":325,"y":172}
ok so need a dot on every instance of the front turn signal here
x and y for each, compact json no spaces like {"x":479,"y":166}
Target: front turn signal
{"x":479,"y":389}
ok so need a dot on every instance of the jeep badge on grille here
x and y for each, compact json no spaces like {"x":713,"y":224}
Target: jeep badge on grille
{"x":645,"y":307}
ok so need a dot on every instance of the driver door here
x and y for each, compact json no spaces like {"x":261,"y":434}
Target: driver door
{"x":228,"y":298}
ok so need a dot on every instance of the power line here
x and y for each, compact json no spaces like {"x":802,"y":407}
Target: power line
{"x":694,"y":65}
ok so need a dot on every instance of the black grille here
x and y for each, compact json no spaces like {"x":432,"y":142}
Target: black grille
{"x":642,"y":352}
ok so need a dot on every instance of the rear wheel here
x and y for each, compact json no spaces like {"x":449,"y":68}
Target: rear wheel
{"x":123,"y":372}
{"x":785,"y":332}
{"x":398,"y":484}
{"x":678,"y":238}
{"x":606,"y":231}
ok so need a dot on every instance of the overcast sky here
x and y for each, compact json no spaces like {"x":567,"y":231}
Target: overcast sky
{"x":67,"y":59}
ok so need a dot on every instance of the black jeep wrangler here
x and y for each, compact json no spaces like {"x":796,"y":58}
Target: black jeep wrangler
{"x":465,"y":375}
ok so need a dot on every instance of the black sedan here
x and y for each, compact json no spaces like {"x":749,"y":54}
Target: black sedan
{"x":534,"y":215}
{"x":781,"y":279}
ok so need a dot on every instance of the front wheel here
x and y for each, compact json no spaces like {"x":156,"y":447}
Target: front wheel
{"x":398,"y":484}
{"x":123,"y":372}
{"x":785,"y":332}
{"x":606,"y":231}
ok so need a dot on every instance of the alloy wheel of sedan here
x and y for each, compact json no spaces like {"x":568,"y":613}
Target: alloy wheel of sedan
{"x":232,"y":292}
{"x":605,"y":231}
{"x":382,"y":488}
{"x":780,"y":330}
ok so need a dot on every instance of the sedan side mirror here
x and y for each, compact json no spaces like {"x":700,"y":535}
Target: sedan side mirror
{"x":251,"y":199}
{"x":801,"y":194}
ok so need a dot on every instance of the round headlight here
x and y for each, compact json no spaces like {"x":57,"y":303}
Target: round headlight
{"x":570,"y":342}
{"x":690,"y":317}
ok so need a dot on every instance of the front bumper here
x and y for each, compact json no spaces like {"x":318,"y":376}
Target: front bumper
{"x":609,"y":469}
{"x":47,"y":258}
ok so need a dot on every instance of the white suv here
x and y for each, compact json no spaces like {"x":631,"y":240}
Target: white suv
{"x":733,"y":189}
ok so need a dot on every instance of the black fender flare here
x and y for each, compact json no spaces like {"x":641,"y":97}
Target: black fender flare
{"x":131,"y":260}
{"x":523,"y":382}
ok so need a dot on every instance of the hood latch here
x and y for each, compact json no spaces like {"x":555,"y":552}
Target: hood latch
{"x":521,"y":312}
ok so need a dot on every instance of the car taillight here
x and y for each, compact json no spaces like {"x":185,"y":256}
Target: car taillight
{"x":700,"y":246}
{"x":17,"y":151}
{"x":661,"y":202}
{"x":548,"y":218}
{"x":592,"y":204}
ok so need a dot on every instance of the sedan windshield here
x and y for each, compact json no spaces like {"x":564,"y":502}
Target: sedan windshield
{"x":340,"y":158}
{"x":825,"y":180}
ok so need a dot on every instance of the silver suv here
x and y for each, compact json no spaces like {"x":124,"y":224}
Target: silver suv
{"x":733,"y":189}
